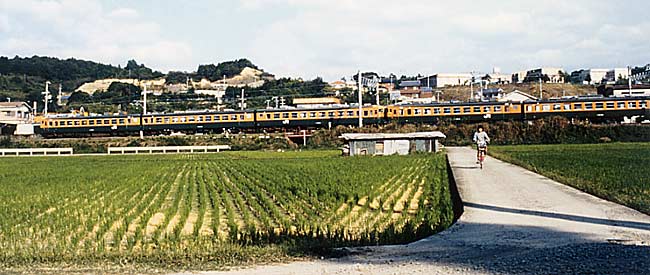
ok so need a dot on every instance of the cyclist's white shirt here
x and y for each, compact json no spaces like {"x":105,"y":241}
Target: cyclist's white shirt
{"x":481,"y":138}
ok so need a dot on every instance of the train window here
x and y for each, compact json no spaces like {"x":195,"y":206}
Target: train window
{"x":304,"y":115}
{"x":49,"y":123}
{"x":416,"y":111}
{"x":91,"y":122}
{"x":208,"y":118}
{"x":146,"y":120}
{"x":276,"y":115}
{"x":436,"y":110}
{"x":477,"y":109}
{"x":375,"y":112}
{"x":83,"y":122}
{"x":456,"y":110}
{"x":620,"y":105}
{"x":285,"y":115}
{"x":121,"y":121}
{"x":589,"y":106}
{"x":216,"y":118}
{"x":174,"y":119}
{"x":515,"y":107}
{"x":322,"y":114}
{"x":401,"y":112}
{"x":546,"y":107}
{"x":486,"y":109}
{"x":241,"y":117}
{"x":76,"y":122}
{"x":557,"y":107}
{"x":610,"y":105}
{"x":224,"y":117}
{"x":632,"y":104}
{"x":113,"y":121}
{"x":233,"y":117}
{"x":466,"y":109}
{"x":427,"y":111}
{"x":294,"y":115}
{"x":567,"y":107}
{"x":200,"y":118}
{"x":268,"y":116}
{"x":529,"y":108}
{"x":447,"y":110}
{"x":577,"y":106}
{"x":340,"y":113}
{"x":191,"y":119}
{"x":330,"y":114}
{"x":312,"y":114}
{"x":497,"y":108}
{"x":409,"y":112}
{"x":183,"y":119}
{"x":599,"y":105}
{"x":166,"y":120}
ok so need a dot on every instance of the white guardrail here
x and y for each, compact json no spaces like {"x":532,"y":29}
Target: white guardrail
{"x":35,"y":151}
{"x":167,"y":149}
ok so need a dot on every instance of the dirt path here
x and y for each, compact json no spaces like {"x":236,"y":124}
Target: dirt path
{"x":515,"y":222}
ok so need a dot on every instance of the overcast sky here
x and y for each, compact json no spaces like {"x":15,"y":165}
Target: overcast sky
{"x":334,"y":38}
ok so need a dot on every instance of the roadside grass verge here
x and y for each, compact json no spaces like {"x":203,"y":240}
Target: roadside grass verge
{"x":619,"y":172}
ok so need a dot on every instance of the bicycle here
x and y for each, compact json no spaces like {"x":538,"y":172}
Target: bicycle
{"x":482,"y":151}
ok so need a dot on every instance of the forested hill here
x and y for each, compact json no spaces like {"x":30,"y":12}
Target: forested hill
{"x":23,"y":78}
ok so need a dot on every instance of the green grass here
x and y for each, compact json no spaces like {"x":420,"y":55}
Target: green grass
{"x":619,"y":172}
{"x":213,"y":210}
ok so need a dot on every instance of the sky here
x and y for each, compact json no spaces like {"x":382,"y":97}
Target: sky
{"x":334,"y":38}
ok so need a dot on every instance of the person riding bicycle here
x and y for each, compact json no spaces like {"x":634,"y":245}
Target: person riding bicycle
{"x":481,"y":139}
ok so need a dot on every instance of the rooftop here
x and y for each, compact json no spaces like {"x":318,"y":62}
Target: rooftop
{"x":380,"y":136}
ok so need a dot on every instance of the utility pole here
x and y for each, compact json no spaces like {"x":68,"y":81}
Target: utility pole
{"x":242,"y":99}
{"x":629,"y":80}
{"x":282,"y":103}
{"x":540,"y":89}
{"x":268,"y":104}
{"x":377,"y":95}
{"x":46,"y":96}
{"x":59,"y":96}
{"x":360,"y":101}
{"x":471,"y":88}
{"x":144,"y":103}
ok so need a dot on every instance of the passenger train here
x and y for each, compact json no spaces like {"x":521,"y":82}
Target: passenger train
{"x":603,"y":109}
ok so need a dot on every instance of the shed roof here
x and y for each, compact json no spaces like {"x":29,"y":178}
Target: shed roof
{"x":380,"y":136}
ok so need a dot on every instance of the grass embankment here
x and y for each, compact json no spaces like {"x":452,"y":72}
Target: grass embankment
{"x":617,"y":172}
{"x":208,"y":211}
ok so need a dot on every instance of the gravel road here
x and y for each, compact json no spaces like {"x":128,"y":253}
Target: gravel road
{"x":514,"y":222}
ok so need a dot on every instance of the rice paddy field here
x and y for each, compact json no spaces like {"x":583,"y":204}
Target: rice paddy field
{"x":205,"y":211}
{"x":619,"y":172}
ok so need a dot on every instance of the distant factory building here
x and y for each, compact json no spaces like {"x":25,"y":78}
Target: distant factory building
{"x":315,"y":102}
{"x":443,"y":80}
{"x":623,"y":90}
{"x":548,"y":74}
{"x":389,"y":144}
{"x":589,"y":76}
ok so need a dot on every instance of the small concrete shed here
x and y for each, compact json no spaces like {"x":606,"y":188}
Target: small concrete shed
{"x":389,"y":144}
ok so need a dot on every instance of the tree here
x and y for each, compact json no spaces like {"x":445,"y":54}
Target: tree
{"x":79,"y":97}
